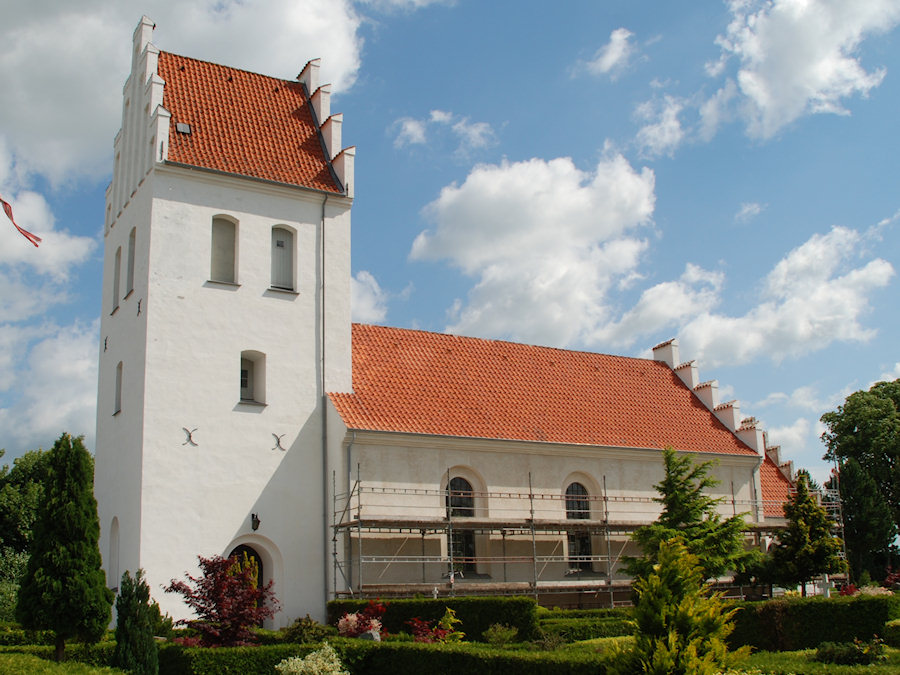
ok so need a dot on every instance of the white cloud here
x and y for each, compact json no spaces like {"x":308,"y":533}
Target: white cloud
{"x":663,"y":132}
{"x":810,"y":299}
{"x":797,"y":58}
{"x":612,"y":57}
{"x":469,"y":135}
{"x":803,"y":398}
{"x":80,"y":53}
{"x":411,"y":132}
{"x":56,"y":387}
{"x":544,"y":239}
{"x":404,"y":5}
{"x":799,"y":442}
{"x":748,"y":211}
{"x":368,"y":301}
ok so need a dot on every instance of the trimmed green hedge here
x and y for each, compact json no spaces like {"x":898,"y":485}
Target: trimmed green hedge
{"x":573,"y":630}
{"x":362,"y":657}
{"x":804,"y":623}
{"x":14,"y":634}
{"x":476,"y":613}
{"x":618,"y":612}
{"x":892,"y":633}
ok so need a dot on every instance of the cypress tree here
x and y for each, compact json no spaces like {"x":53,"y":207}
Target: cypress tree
{"x":135,"y":647}
{"x":64,"y":589}
{"x":807,"y":547}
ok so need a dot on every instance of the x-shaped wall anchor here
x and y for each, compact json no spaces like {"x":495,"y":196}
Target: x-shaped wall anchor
{"x":190,"y":436}
{"x":278,"y":445}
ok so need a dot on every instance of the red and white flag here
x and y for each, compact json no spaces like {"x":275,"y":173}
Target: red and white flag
{"x":33,"y":238}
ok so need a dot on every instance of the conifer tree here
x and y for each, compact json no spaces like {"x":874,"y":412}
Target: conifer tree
{"x":680,"y":627}
{"x":691,"y":515}
{"x":807,"y":548}
{"x":64,"y":589}
{"x":135,"y":646}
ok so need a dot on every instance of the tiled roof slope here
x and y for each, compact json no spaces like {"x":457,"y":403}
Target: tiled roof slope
{"x":243,"y":123}
{"x":775,"y":487}
{"x":429,"y":383}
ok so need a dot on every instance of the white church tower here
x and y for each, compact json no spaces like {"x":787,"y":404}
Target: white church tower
{"x":225,"y":318}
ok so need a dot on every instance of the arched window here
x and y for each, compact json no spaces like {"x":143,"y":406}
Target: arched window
{"x":461,"y":504}
{"x":118,"y":400}
{"x":577,"y":504}
{"x":223,"y":251}
{"x":578,"y":507}
{"x":129,"y":273}
{"x":253,"y":377}
{"x":117,"y":273}
{"x":282,"y":258}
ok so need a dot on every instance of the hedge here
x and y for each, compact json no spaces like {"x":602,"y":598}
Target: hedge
{"x":556,"y":613}
{"x":14,"y":634}
{"x":385,"y":658}
{"x":892,"y":633}
{"x":476,"y":613}
{"x":99,"y":654}
{"x":573,"y":630}
{"x":804,"y":623}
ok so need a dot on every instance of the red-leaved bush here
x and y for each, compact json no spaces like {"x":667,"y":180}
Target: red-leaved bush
{"x":368,"y":620}
{"x":226,"y":600}
{"x":848,"y":589}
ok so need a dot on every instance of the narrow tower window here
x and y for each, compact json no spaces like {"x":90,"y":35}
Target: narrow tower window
{"x":118,"y":400}
{"x":224,"y":241}
{"x":461,"y":504}
{"x":253,"y":377}
{"x":117,"y":273}
{"x":129,"y":274}
{"x":282,"y":258}
{"x":578,"y":507}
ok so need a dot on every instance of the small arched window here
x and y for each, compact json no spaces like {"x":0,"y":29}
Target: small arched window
{"x":129,"y":273}
{"x":253,"y":377}
{"x":578,"y":505}
{"x":118,"y":400}
{"x":117,"y":274}
{"x":282,"y":258}
{"x":223,"y":251}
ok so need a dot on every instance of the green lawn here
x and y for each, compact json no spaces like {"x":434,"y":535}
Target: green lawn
{"x":783,"y":663}
{"x":19,"y":664}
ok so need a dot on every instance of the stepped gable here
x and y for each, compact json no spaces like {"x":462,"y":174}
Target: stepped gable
{"x":429,"y":383}
{"x":243,"y":123}
{"x":776,"y":489}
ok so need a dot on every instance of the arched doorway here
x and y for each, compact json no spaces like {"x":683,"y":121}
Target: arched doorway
{"x":240,"y":551}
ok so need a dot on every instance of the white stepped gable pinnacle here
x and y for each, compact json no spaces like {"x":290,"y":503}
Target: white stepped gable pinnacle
{"x":728,"y":413}
{"x":773,"y":452}
{"x":342,"y":160}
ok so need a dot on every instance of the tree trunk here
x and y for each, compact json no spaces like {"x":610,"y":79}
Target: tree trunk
{"x":803,"y":589}
{"x":60,"y":648}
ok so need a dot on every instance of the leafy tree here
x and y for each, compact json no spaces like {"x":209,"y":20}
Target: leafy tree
{"x":806,"y":548}
{"x":228,"y":601}
{"x":135,"y":646}
{"x":867,"y":428}
{"x":12,"y":567}
{"x":691,"y":515}
{"x":868,"y":526}
{"x":680,"y":628}
{"x":21,"y":492}
{"x":64,"y":589}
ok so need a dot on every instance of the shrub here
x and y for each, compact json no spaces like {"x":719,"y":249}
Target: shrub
{"x":851,"y":653}
{"x":499,"y":634}
{"x":354,"y":624}
{"x":803,"y":623}
{"x":892,"y":633}
{"x":443,"y":631}
{"x":323,"y":661}
{"x":574,"y":630}
{"x":135,"y":647}
{"x":306,"y":630}
{"x":476,"y":613}
{"x":227,"y":600}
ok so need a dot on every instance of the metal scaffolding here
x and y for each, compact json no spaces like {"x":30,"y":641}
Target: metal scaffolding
{"x":395,"y":541}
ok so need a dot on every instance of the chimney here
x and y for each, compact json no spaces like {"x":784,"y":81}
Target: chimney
{"x":331,"y":134}
{"x":343,"y":167}
{"x":667,"y":352}
{"x":321,"y":103}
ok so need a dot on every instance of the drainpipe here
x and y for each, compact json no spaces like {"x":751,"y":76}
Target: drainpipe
{"x":324,"y":404}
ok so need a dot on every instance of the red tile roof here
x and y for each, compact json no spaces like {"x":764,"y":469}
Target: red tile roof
{"x":429,"y":383}
{"x":243,"y":123}
{"x":776,"y":489}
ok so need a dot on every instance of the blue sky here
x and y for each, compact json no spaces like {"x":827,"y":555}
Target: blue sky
{"x":599,"y":176}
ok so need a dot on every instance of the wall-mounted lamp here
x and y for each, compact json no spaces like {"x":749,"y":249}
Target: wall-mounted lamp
{"x":254,"y":521}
